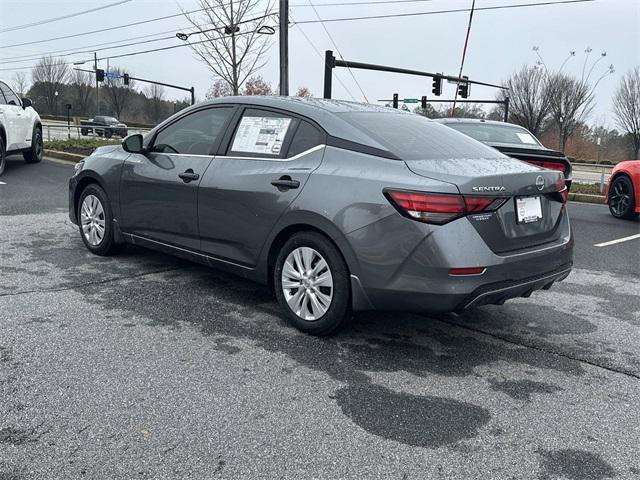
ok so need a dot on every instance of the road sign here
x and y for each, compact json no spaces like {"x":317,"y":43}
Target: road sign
{"x":111,"y":74}
{"x":410,"y":100}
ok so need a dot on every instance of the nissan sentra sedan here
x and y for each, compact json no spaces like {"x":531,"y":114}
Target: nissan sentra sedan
{"x":337,"y":206}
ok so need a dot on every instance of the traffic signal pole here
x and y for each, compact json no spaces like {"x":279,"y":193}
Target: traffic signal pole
{"x":284,"y":47}
{"x":95,"y":67}
{"x":332,"y":62}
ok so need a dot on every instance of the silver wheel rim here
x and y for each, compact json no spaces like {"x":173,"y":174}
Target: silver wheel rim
{"x":92,"y":220}
{"x":307,"y":283}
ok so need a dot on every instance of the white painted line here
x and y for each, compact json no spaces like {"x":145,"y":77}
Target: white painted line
{"x":2,"y":183}
{"x":619,"y":240}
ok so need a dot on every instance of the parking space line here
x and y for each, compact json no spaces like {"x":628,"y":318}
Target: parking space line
{"x":2,"y":183}
{"x":619,"y":240}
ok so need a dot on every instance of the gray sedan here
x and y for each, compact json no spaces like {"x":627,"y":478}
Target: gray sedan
{"x":338,"y":206}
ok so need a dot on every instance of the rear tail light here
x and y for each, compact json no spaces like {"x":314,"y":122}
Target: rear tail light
{"x":559,"y":166}
{"x":438,"y":208}
{"x":562,"y":192}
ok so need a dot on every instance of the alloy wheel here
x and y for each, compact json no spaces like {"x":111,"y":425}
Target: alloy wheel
{"x":307,"y":283}
{"x":619,"y":198}
{"x":92,"y":220}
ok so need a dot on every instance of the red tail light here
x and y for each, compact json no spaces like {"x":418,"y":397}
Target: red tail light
{"x":562,"y":192}
{"x":438,"y":208}
{"x":559,"y":166}
{"x":467,"y":271}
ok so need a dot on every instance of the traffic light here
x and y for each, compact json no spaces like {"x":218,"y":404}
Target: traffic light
{"x":437,"y":85}
{"x":423,"y":102}
{"x":395,"y":100}
{"x":463,"y":87}
{"x":126,"y":78}
{"x":99,"y":75}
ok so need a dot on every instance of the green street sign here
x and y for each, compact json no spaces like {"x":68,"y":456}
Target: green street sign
{"x":410,"y":100}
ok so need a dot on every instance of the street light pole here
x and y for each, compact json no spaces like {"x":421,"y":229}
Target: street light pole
{"x":284,"y":47}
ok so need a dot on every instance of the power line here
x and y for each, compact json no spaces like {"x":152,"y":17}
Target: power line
{"x":108,"y":29}
{"x":322,"y":57}
{"x":366,"y":2}
{"x":63,"y":17}
{"x":436,"y":12}
{"x":338,"y":50}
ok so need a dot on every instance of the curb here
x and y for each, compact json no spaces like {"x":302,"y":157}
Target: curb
{"x":586,"y":198}
{"x":71,"y":157}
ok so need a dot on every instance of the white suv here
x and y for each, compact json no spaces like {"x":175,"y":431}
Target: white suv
{"x":20,"y":127}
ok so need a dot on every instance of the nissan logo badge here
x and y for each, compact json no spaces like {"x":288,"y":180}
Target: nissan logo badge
{"x":540,"y":182}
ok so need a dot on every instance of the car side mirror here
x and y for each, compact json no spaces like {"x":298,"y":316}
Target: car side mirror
{"x":26,"y":102}
{"x":133,"y":144}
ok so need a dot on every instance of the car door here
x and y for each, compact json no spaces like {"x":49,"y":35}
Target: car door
{"x":17,"y":122}
{"x":158,"y":190}
{"x":269,"y":157}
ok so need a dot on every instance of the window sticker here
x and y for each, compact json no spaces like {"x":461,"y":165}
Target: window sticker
{"x":526,"y":138}
{"x":263,"y":135}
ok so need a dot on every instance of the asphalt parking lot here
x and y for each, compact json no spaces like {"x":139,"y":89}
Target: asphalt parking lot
{"x":146,"y":366}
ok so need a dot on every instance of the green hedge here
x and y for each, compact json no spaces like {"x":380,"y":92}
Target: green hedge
{"x":81,"y":146}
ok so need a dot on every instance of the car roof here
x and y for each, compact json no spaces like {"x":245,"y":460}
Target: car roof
{"x":324,"y":112}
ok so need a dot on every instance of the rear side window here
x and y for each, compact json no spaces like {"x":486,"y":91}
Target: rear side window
{"x":307,"y":136}
{"x":10,"y":98}
{"x":414,"y":137}
{"x":262,"y":133}
{"x":195,"y":134}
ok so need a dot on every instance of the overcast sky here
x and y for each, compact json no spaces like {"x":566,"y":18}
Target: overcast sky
{"x":501,"y":41}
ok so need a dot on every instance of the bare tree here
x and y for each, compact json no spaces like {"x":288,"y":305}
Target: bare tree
{"x":571,"y":102}
{"x":155,"y":102}
{"x":304,"y":92}
{"x":116,"y":91}
{"x":220,"y":88}
{"x":233,"y":47}
{"x":626,"y":107}
{"x":528,"y":99}
{"x":51,"y":73}
{"x":20,"y":83}
{"x":81,"y":83}
{"x":256,"y":85}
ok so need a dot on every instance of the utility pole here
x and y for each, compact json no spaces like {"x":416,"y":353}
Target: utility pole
{"x":95,"y":67}
{"x":284,"y":47}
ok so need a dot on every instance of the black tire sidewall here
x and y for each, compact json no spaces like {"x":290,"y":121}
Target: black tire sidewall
{"x":339,"y":313}
{"x":107,"y":245}
{"x":3,"y":156}
{"x":31,"y":156}
{"x":630,"y":212}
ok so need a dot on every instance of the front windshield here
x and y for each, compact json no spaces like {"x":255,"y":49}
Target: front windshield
{"x":493,"y":133}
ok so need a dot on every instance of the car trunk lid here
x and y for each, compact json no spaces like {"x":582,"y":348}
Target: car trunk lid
{"x":512,"y":180}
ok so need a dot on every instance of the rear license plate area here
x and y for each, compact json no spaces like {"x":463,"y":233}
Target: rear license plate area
{"x":528,"y":209}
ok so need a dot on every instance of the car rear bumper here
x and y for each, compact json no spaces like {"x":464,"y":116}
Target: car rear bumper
{"x":415,"y":275}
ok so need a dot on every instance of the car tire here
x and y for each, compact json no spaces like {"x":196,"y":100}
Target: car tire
{"x":621,"y":198}
{"x":83,"y":132}
{"x":321,"y":304}
{"x":108,"y":133}
{"x":3,"y":156}
{"x":93,"y":212}
{"x":34,"y":154}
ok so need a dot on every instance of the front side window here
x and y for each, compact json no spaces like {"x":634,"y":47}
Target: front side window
{"x":261,"y":133}
{"x":10,"y":98}
{"x":414,"y":137}
{"x":195,"y":134}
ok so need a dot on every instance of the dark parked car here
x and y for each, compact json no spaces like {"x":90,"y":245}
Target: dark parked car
{"x":103,"y":126}
{"x":512,"y":140}
{"x":338,"y":206}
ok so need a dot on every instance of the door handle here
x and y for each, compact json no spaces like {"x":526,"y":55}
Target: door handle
{"x":188,"y":175}
{"x":285,"y":183}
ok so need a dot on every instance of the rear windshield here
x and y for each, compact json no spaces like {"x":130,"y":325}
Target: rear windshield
{"x":414,"y":137}
{"x":492,"y":133}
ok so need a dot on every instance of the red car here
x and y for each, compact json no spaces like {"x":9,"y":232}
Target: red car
{"x":623,"y":191}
